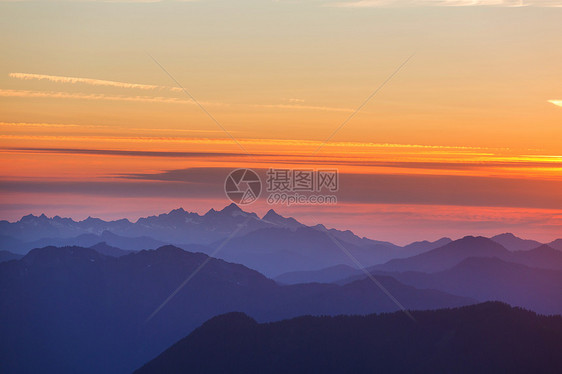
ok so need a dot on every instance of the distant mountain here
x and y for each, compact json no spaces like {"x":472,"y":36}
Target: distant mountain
{"x":453,"y":253}
{"x":417,"y":248}
{"x":447,"y":256}
{"x":31,"y":228}
{"x":177,"y":227}
{"x":274,"y":251}
{"x":7,"y":243}
{"x":108,"y":250}
{"x":543,"y":257}
{"x":487,"y":279}
{"x":289,"y":223}
{"x":336,"y":273}
{"x":349,"y":237}
{"x":89,"y":240}
{"x":484,"y":338}
{"x":326,"y":275}
{"x":8,"y":256}
{"x":272,"y":244}
{"x":72,"y":309}
{"x":557,"y":244}
{"x":513,"y":243}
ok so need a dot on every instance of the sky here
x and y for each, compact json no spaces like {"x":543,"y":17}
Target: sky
{"x":461,"y":134}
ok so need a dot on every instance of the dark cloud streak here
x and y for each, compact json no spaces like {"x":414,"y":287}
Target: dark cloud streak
{"x":354,"y":188}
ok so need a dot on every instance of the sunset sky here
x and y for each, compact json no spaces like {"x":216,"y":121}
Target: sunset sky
{"x":465,"y":138}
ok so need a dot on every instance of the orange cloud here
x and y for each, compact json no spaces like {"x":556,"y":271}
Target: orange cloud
{"x":89,"y":81}
{"x":80,"y":96}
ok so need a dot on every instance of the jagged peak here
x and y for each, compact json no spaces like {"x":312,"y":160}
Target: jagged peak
{"x":271,"y":214}
{"x":232,"y":207}
{"x":177,"y":210}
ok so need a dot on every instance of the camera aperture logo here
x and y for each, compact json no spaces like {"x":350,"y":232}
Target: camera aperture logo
{"x":284,"y":186}
{"x":243,"y":186}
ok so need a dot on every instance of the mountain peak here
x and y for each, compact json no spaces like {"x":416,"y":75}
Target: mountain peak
{"x":271,"y":214}
{"x":92,"y":220}
{"x":505,"y":235}
{"x":273,"y":217}
{"x":27,"y":217}
{"x":169,"y":249}
{"x":514,"y":243}
{"x":477,"y":244}
{"x":232,"y":320}
{"x":177,"y":211}
{"x":231,"y":208}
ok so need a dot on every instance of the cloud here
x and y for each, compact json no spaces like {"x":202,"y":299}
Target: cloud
{"x":81,"y":96}
{"x":258,"y":141}
{"x":150,"y":99}
{"x":413,"y":3}
{"x":354,"y":188}
{"x":556,"y":102}
{"x":31,"y":125}
{"x":125,"y":153}
{"x":89,"y":81}
{"x":304,"y":107}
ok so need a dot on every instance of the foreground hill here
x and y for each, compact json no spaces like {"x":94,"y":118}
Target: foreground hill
{"x":484,"y":338}
{"x":74,"y":310}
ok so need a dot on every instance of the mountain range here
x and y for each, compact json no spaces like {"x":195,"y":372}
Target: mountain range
{"x":95,"y":296}
{"x":92,"y":313}
{"x":273,"y":244}
{"x":474,"y":267}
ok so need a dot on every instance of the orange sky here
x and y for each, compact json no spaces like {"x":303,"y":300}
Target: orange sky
{"x":466,"y":138}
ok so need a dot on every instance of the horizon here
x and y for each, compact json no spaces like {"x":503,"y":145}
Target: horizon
{"x":261,"y":215}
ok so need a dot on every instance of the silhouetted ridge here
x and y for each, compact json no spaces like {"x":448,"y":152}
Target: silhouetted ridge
{"x":487,"y":338}
{"x":169,"y":249}
{"x":230,"y":321}
{"x":52,"y":254}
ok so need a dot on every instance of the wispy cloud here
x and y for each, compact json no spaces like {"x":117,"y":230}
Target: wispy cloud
{"x":304,"y":107}
{"x":461,"y":3}
{"x":150,"y":99}
{"x":556,"y":102}
{"x":81,"y":96}
{"x":34,"y":125}
{"x":125,"y":153}
{"x":253,"y":141}
{"x":268,"y":158}
{"x":89,"y":81}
